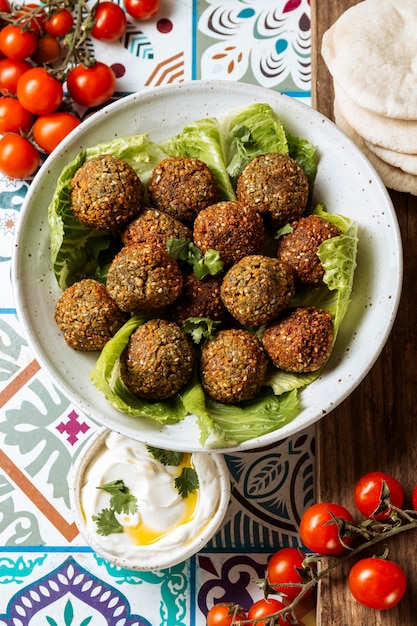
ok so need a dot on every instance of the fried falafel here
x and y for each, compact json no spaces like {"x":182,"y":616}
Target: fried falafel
{"x":274,"y":184}
{"x":233,"y":366}
{"x":106,"y":193}
{"x":154,"y":227}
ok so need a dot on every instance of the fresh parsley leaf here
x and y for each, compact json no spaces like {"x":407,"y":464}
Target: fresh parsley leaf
{"x":166,"y":457}
{"x":204,"y":265}
{"x":121,"y":500}
{"x":186,"y":482}
{"x":178,"y":248}
{"x":200,"y":328}
{"x":107,"y":523}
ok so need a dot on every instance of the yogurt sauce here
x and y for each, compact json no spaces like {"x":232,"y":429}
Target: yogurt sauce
{"x":164,"y":521}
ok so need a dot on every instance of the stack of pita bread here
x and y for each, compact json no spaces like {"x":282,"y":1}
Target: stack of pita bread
{"x":371,"y":53}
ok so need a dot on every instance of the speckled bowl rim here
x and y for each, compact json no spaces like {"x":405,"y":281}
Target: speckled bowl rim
{"x":166,"y":560}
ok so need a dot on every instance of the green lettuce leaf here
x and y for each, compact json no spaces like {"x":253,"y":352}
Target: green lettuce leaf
{"x":78,"y":251}
{"x":249,"y":132}
{"x":105,"y":376}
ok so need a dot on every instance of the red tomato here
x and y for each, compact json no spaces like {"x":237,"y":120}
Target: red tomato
{"x":414,"y":498}
{"x":50,"y":130}
{"x":320,"y":536}
{"x":91,"y":86}
{"x":224,"y":613}
{"x":5,"y":6}
{"x":368,"y":491}
{"x":10,"y":72}
{"x":48,"y":50}
{"x":377,"y":583}
{"x":142,"y":9}
{"x":39,"y":92}
{"x":60,"y":23}
{"x":18,"y":157}
{"x":16,"y":43}
{"x":13,"y":117}
{"x":35,"y":23}
{"x":110,"y":22}
{"x":283,"y":568}
{"x":264,"y":608}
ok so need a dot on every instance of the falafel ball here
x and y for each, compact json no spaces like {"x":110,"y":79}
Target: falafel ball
{"x":299,"y":248}
{"x":231,"y":228}
{"x":256,"y":289}
{"x":274,"y":184}
{"x":199,"y":298}
{"x":157,"y":361}
{"x":233,"y":366}
{"x":155,"y":227}
{"x":143,"y":277}
{"x":106,"y":192}
{"x":300,"y":341}
{"x":182,"y":186}
{"x":87,"y":315}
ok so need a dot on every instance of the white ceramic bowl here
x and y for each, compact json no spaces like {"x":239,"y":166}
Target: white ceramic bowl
{"x":150,"y":557}
{"x":346,"y":183}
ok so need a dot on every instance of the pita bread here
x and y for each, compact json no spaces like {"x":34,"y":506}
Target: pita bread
{"x":371,"y":50}
{"x":393,"y":134}
{"x":392,"y":177}
{"x":406,"y":162}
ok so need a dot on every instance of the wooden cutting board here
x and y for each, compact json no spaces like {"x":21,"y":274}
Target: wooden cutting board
{"x":376,"y":427}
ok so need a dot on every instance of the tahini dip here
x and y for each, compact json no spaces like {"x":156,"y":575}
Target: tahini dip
{"x":164,"y":521}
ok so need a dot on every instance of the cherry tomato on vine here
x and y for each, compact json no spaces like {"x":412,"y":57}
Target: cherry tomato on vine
{"x":39,"y":92}
{"x":18,"y":157}
{"x":264,"y":608}
{"x":368,"y":490}
{"x":142,"y":9}
{"x":16,"y":43}
{"x":110,"y":22}
{"x":377,"y":583}
{"x":50,"y":130}
{"x":13,"y":117}
{"x":48,"y":50}
{"x":91,"y":86}
{"x":224,"y":613}
{"x":10,"y":72}
{"x":35,"y":23}
{"x":5,"y":8}
{"x":59,"y":24}
{"x":319,"y":533}
{"x":283,"y":567}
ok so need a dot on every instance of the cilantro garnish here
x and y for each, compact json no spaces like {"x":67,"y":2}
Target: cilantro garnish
{"x":107,"y":523}
{"x":202,"y":264}
{"x":200,"y":328}
{"x":186,"y":482}
{"x":166,"y":457}
{"x":121,"y":501}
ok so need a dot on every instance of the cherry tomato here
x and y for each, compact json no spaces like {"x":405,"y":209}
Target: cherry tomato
{"x":368,"y":490}
{"x":5,"y":6}
{"x":377,"y":583}
{"x":39,"y":92}
{"x":91,"y":86}
{"x":283,"y":567}
{"x":142,"y":9}
{"x":48,"y":50}
{"x":13,"y":117}
{"x":18,"y":157}
{"x":10,"y":72}
{"x":110,"y":22}
{"x":16,"y":43}
{"x":35,"y":23}
{"x":264,"y":608}
{"x":59,"y":24}
{"x":224,"y":613}
{"x":414,"y":498}
{"x":50,"y":130}
{"x":318,"y":534}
